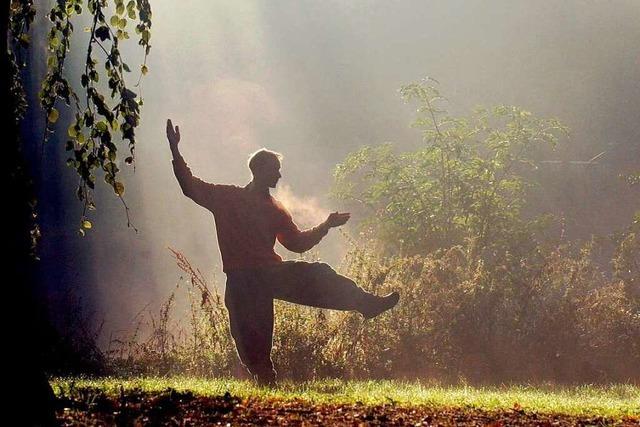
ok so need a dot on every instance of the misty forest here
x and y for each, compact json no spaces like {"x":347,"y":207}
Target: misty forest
{"x":406,"y":213}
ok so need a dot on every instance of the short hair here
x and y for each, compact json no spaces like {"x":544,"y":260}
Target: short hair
{"x":261,"y":157}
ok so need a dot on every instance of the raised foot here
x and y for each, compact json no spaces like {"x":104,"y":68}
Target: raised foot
{"x":383,"y":304}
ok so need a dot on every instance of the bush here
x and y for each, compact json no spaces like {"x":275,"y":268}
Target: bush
{"x":465,"y":186}
{"x":455,"y":321}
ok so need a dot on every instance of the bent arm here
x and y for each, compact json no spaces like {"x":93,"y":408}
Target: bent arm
{"x":192,"y":187}
{"x":301,"y":241}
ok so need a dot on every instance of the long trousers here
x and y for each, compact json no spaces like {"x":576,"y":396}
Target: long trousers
{"x":249,"y":299}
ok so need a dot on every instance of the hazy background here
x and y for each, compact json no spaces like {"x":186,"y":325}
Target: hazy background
{"x":316,"y":80}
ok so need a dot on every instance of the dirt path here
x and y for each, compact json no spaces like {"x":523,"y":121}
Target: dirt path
{"x":171,"y":408}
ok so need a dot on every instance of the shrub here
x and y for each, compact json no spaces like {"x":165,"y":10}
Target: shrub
{"x":455,"y":321}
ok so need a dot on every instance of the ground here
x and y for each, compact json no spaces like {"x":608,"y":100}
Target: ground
{"x":188,"y":401}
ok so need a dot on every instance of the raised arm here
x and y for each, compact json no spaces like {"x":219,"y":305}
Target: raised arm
{"x":192,"y":187}
{"x":299,"y":241}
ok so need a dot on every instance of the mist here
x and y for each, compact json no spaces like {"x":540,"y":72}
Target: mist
{"x":317,"y":80}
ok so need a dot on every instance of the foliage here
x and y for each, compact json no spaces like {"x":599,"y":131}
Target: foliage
{"x":103,"y":111}
{"x":626,"y":261}
{"x":564,"y":322}
{"x":19,"y":16}
{"x":206,"y":347}
{"x":484,"y":296}
{"x":465,"y":186}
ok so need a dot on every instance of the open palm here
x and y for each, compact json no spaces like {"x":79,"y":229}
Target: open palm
{"x":173,"y":135}
{"x":337,"y":219}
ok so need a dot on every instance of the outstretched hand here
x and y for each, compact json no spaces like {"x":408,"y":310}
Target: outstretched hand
{"x":173,"y":135}
{"x":337,"y":219}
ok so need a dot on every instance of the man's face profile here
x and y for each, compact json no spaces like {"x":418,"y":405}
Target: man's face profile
{"x":270,"y":172}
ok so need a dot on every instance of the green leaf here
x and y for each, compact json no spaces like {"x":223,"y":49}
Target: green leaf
{"x":101,"y":126}
{"x":128,"y":94}
{"x":114,"y":20}
{"x":119,"y":188}
{"x":24,"y":39}
{"x":120,"y":8}
{"x":53,"y":115}
{"x":144,"y":69}
{"x":102,"y":33}
{"x":87,"y":224}
{"x":54,"y":42}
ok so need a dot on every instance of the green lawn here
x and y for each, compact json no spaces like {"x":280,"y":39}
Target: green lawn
{"x":588,"y":400}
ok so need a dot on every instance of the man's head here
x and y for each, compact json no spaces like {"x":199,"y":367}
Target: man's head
{"x":265,"y":167}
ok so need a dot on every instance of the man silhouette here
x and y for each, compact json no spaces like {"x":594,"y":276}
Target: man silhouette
{"x":248,"y":222}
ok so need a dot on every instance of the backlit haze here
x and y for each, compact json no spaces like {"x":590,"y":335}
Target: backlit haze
{"x":314,"y":81}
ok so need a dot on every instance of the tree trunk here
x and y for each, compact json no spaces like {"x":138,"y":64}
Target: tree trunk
{"x":28,"y":325}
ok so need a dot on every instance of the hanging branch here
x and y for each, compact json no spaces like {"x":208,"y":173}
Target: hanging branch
{"x":104,"y":111}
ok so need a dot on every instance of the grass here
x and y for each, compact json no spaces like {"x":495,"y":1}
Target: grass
{"x":613,"y":401}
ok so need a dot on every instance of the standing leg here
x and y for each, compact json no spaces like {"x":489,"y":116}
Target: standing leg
{"x":250,"y":306}
{"x":318,"y":285}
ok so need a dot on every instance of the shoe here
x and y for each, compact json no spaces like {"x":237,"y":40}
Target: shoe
{"x":381,"y":305}
{"x":268,"y":382}
{"x":266,"y":377}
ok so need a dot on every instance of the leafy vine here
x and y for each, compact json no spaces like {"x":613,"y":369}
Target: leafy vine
{"x":101,"y":111}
